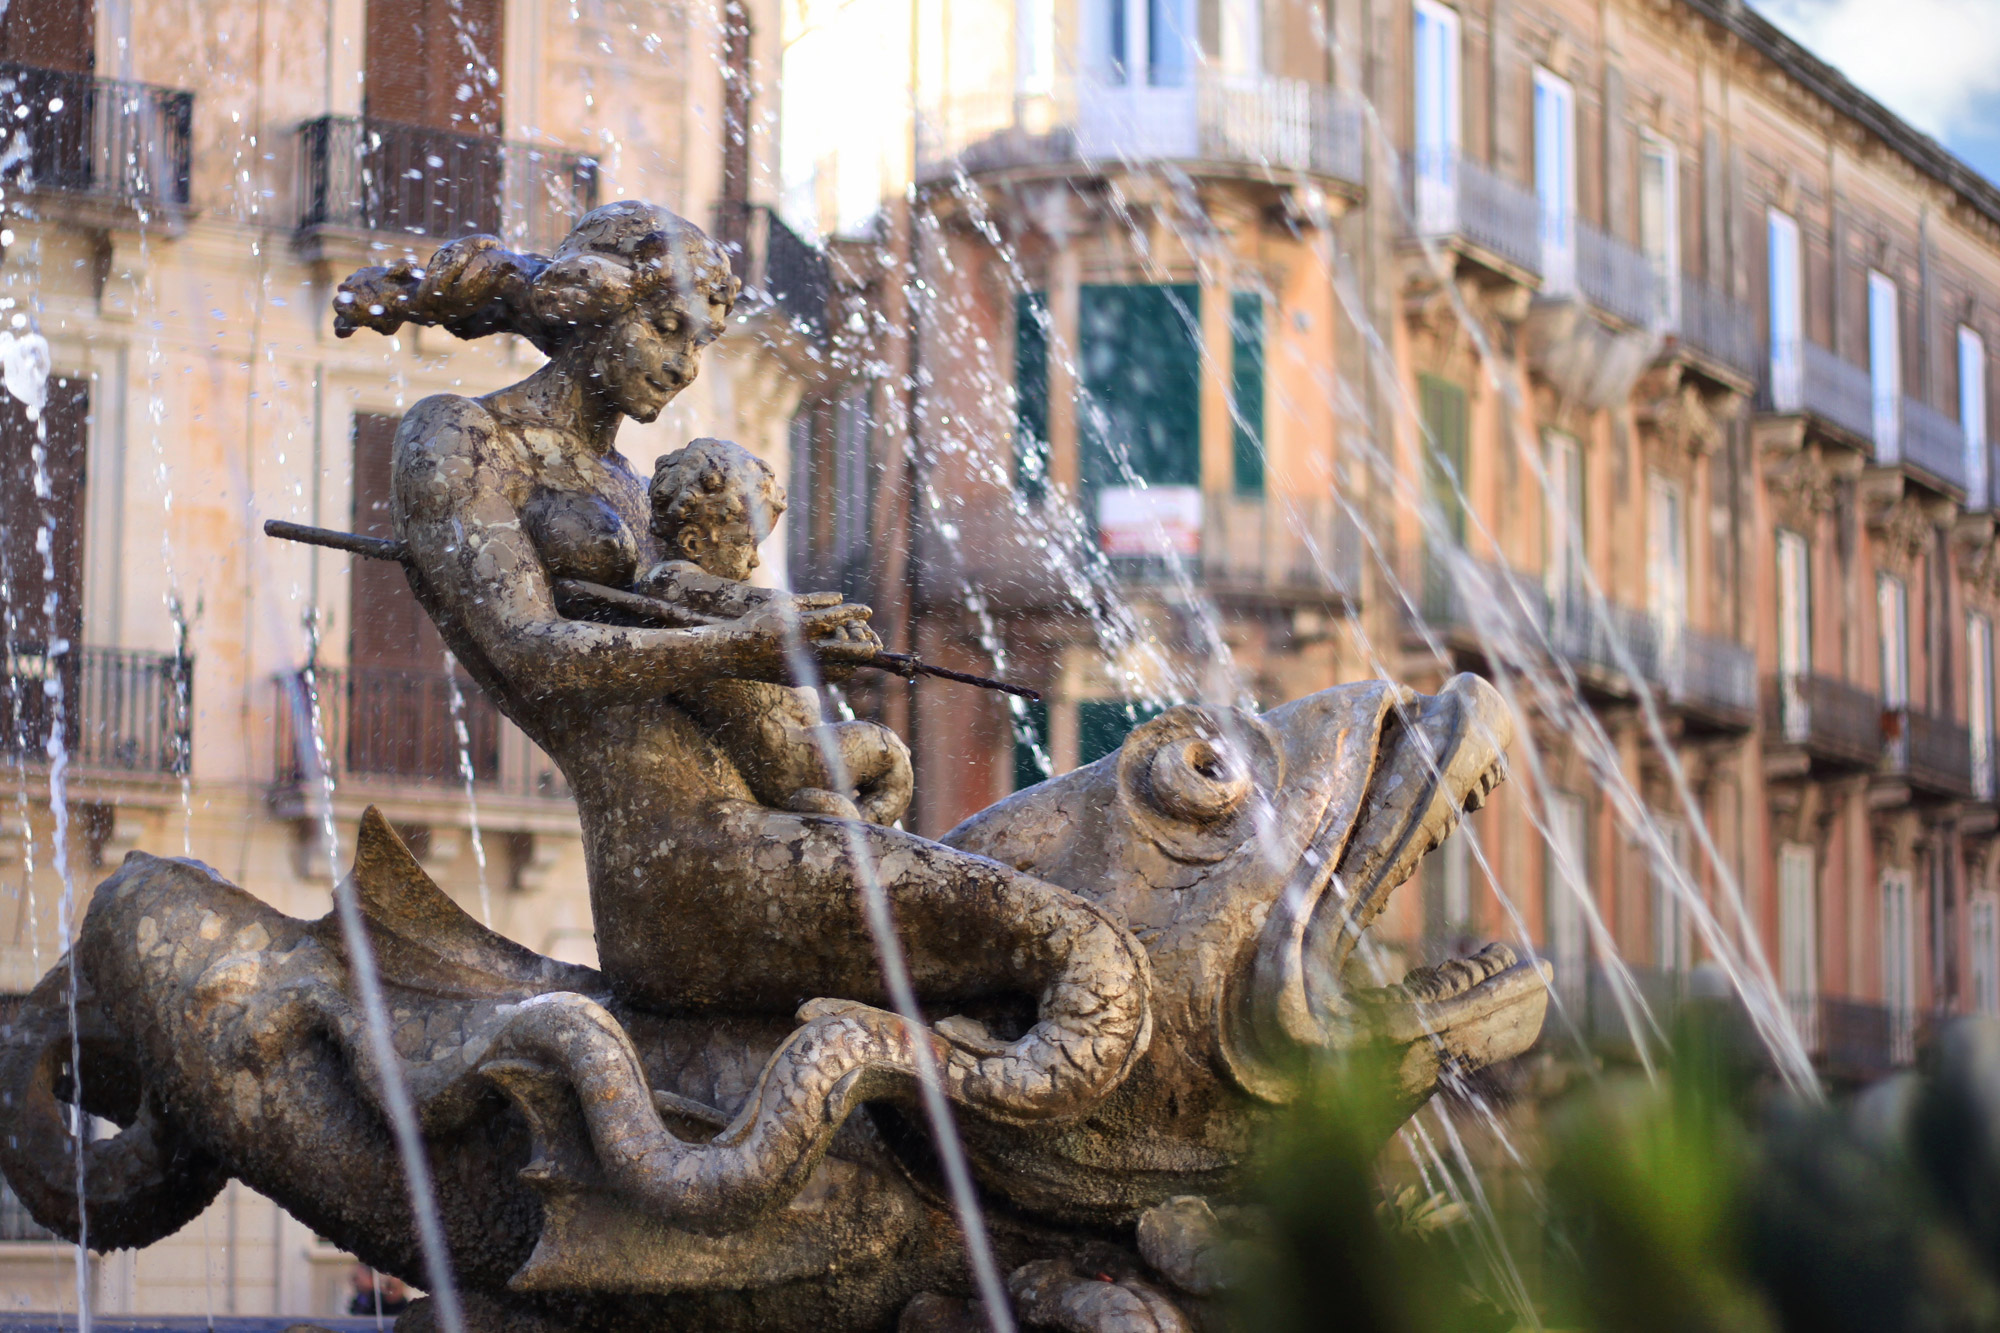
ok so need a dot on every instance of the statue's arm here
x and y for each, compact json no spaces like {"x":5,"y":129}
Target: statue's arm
{"x":468,"y":546}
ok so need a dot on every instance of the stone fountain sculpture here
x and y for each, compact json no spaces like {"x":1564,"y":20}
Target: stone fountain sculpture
{"x":717,"y":1128}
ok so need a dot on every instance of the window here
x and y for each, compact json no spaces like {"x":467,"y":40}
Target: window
{"x":1034,"y":47}
{"x":1787,"y":314}
{"x":1246,"y":389}
{"x":1566,"y":884}
{"x":1794,"y":632}
{"x":401,"y":719}
{"x":1983,"y":915}
{"x":1242,"y":37}
{"x":1442,"y":404}
{"x":1666,"y":570}
{"x":1885,"y":368}
{"x":1033,"y":762}
{"x":1979,"y":701}
{"x":1798,"y":933}
{"x":1437,"y":118}
{"x":1673,"y":919}
{"x":1972,"y":415}
{"x":1555,"y":179}
{"x":1031,"y":394}
{"x":1899,"y":962}
{"x":1565,"y":528}
{"x":831,"y":496}
{"x":432,"y":84}
{"x":1103,"y":724}
{"x":1660,"y":225}
{"x":1140,"y":417}
{"x":1170,"y":41}
{"x":1892,"y":610}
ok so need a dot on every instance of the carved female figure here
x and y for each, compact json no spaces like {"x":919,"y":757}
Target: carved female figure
{"x":701,"y":897}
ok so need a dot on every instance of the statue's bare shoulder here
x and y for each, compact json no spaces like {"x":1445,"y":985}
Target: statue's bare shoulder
{"x":446,"y":457}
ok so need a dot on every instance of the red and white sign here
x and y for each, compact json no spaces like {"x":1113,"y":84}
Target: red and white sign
{"x":1149,"y":520}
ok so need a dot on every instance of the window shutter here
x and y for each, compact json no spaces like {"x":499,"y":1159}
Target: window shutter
{"x":1443,"y":407}
{"x":1246,"y":330}
{"x":435,"y":63}
{"x":1031,"y":394}
{"x":50,"y":34}
{"x":1141,"y":365}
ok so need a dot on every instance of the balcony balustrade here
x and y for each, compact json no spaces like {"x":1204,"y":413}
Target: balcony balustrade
{"x":120,"y":143}
{"x":1454,"y":198}
{"x":780,"y":269}
{"x":392,"y":728}
{"x":1710,"y":677}
{"x":1807,"y":379}
{"x":1260,"y":122}
{"x":1717,"y":328}
{"x":1616,"y":279}
{"x":1934,"y":445}
{"x":1833,"y":721}
{"x":122,"y":712}
{"x":377,"y":175}
{"x":1934,"y":754}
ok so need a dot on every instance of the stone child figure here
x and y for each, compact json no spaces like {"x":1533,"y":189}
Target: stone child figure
{"x":712,"y":503}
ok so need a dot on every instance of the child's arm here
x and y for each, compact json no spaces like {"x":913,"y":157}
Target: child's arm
{"x":684,"y":583}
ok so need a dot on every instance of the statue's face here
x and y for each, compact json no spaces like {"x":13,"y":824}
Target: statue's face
{"x":654,"y":352}
{"x":728,"y":548}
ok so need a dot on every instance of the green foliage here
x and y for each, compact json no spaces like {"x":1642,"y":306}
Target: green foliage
{"x":1703,"y":1202}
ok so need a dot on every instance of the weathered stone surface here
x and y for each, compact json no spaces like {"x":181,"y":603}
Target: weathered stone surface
{"x":719,"y":1129}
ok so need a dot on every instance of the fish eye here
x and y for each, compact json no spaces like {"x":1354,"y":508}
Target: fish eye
{"x":1197,"y":779}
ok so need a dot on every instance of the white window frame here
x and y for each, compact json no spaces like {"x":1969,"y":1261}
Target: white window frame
{"x":1660,"y":225}
{"x":1983,"y":945}
{"x":1799,"y":925}
{"x":1979,"y":700}
{"x":1885,"y":367}
{"x":1892,"y":623}
{"x":1673,"y":919}
{"x":1565,"y":516}
{"x":1972,"y":418}
{"x":1438,"y":89}
{"x":1555,"y":179}
{"x":1787,"y":313}
{"x":1242,"y":38}
{"x":1795,"y":659}
{"x":1899,"y":960}
{"x":1034,"y":48}
{"x":1666,"y":571}
{"x":1566,"y":882}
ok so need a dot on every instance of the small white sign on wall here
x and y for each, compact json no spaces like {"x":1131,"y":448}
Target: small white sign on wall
{"x":1149,"y":520}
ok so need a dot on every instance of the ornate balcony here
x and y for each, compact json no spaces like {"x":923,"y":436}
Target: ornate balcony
{"x":1805,"y":379}
{"x":1616,"y":279}
{"x":1241,"y":121}
{"x":124,"y":714}
{"x":1934,"y":754}
{"x":1455,"y":199}
{"x":1718,"y":330}
{"x":1711,"y":680}
{"x":1933,"y":446}
{"x":1836,"y":723}
{"x":378,"y":176}
{"x":125,"y":145}
{"x":782,"y":272}
{"x":388,"y":733}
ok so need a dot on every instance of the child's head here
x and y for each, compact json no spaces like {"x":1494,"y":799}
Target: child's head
{"x":712,"y":503}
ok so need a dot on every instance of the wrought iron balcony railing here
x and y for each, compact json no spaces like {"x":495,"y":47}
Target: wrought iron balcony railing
{"x":1805,"y":378}
{"x":1832,"y":720}
{"x":75,"y":134}
{"x":385,"y":726}
{"x":1718,"y":328}
{"x":780,"y":268}
{"x":1713,"y":677}
{"x":1616,"y":279}
{"x":121,"y":712}
{"x":1450,"y":197}
{"x":1933,"y":444}
{"x":377,"y":175}
{"x":1932,"y":753}
{"x":1240,"y":120}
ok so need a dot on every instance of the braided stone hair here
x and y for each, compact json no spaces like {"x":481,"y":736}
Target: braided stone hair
{"x":616,"y":257}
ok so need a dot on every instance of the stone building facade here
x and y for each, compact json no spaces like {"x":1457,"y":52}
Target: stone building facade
{"x":183,"y":184}
{"x":1623,"y":351}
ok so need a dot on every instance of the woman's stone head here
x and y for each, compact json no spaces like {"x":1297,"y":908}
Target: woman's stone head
{"x":713,"y":502}
{"x":634,"y":292}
